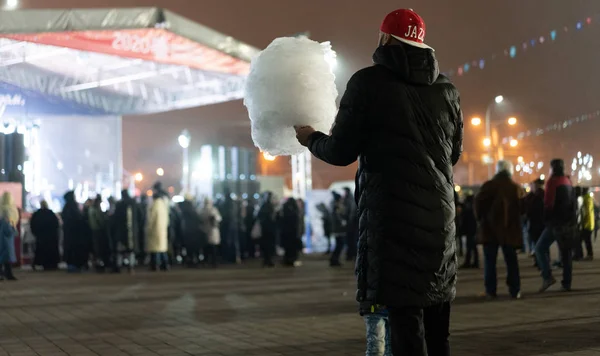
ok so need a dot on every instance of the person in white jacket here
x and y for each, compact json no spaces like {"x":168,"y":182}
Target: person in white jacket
{"x":211,"y":218}
{"x":157,"y":230}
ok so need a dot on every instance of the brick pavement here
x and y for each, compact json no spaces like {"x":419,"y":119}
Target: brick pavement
{"x":251,"y":311}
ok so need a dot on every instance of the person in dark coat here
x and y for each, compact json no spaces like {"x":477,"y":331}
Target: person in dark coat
{"x":469,"y":229}
{"x":403,"y":121}
{"x":339,"y":228}
{"x":128,"y":224}
{"x":352,"y":230}
{"x":45,"y":227}
{"x":248,"y":220}
{"x":268,"y":225}
{"x":76,"y":244}
{"x":498,"y":208}
{"x":194,"y":239}
{"x":290,"y":232}
{"x":534,"y":204}
{"x":326,"y":221}
{"x":143,"y":210}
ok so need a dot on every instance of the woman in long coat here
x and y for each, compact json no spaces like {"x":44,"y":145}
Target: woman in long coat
{"x":291,"y":231}
{"x":9,"y":219}
{"x":44,"y":226}
{"x":76,"y":243}
{"x":157,"y":231}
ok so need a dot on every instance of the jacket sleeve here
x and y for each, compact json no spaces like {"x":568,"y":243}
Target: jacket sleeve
{"x":343,"y":146}
{"x":457,"y":142}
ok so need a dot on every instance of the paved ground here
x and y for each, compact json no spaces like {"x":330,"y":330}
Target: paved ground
{"x":251,"y":311}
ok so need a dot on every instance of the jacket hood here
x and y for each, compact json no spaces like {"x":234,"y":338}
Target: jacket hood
{"x":414,"y":65}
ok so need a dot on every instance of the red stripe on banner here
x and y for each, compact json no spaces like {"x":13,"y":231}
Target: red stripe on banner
{"x":157,"y":45}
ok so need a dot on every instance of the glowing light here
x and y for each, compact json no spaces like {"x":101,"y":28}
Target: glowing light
{"x":184,"y":139}
{"x":160,"y":172}
{"x":204,"y":167}
{"x":542,"y":39}
{"x":59,"y":166}
{"x":553,"y":35}
{"x":499,"y":99}
{"x":543,"y":176}
{"x":579,"y":26}
{"x":487,"y":142}
{"x":457,"y":188}
{"x":588,"y":20}
{"x":520,"y":159}
{"x":514,"y":143}
{"x":11,"y":4}
{"x":466,"y":67}
{"x":482,"y":63}
{"x":512,"y":121}
{"x":268,"y":157}
{"x":139,"y":177}
{"x":177,"y":199}
{"x":476,"y":121}
{"x":513,"y":52}
{"x":149,"y":193}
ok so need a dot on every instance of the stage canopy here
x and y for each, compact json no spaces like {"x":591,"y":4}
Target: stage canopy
{"x":118,"y":61}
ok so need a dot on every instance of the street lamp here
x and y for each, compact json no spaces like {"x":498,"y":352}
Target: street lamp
{"x":488,"y":129}
{"x":184,"y":141}
{"x":476,"y":121}
{"x":512,"y":121}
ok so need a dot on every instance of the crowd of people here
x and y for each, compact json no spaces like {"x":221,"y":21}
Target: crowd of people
{"x":501,"y":216}
{"x":159,"y":233}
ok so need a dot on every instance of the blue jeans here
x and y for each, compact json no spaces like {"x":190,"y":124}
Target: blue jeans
{"x":378,"y":335}
{"x":513,"y":279}
{"x":542,"y":254}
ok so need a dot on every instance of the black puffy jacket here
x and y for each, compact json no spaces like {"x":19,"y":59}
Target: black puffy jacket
{"x":403,"y":122}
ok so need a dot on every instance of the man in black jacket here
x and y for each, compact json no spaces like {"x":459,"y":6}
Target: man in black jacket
{"x":403,"y":122}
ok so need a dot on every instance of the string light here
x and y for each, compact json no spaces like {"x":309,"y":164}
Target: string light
{"x":556,"y":126}
{"x":513,"y":51}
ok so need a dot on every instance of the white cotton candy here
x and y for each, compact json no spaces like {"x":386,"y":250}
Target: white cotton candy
{"x":290,"y":83}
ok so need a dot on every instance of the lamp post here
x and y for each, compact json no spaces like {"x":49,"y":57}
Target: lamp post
{"x":184,"y":141}
{"x":488,"y":130}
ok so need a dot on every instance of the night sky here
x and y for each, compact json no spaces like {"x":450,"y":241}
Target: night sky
{"x":544,"y":84}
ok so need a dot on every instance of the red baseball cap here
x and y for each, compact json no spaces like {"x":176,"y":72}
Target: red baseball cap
{"x":406,"y":26}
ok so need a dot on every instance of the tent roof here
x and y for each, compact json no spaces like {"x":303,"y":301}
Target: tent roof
{"x":121,"y":61}
{"x":68,"y":20}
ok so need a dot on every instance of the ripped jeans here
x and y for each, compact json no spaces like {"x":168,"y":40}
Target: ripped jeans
{"x":378,"y":334}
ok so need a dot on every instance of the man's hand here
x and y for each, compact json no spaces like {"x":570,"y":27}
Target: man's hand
{"x":303,"y":133}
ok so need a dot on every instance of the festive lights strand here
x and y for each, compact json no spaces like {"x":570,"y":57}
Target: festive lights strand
{"x":513,"y":51}
{"x":556,"y":126}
